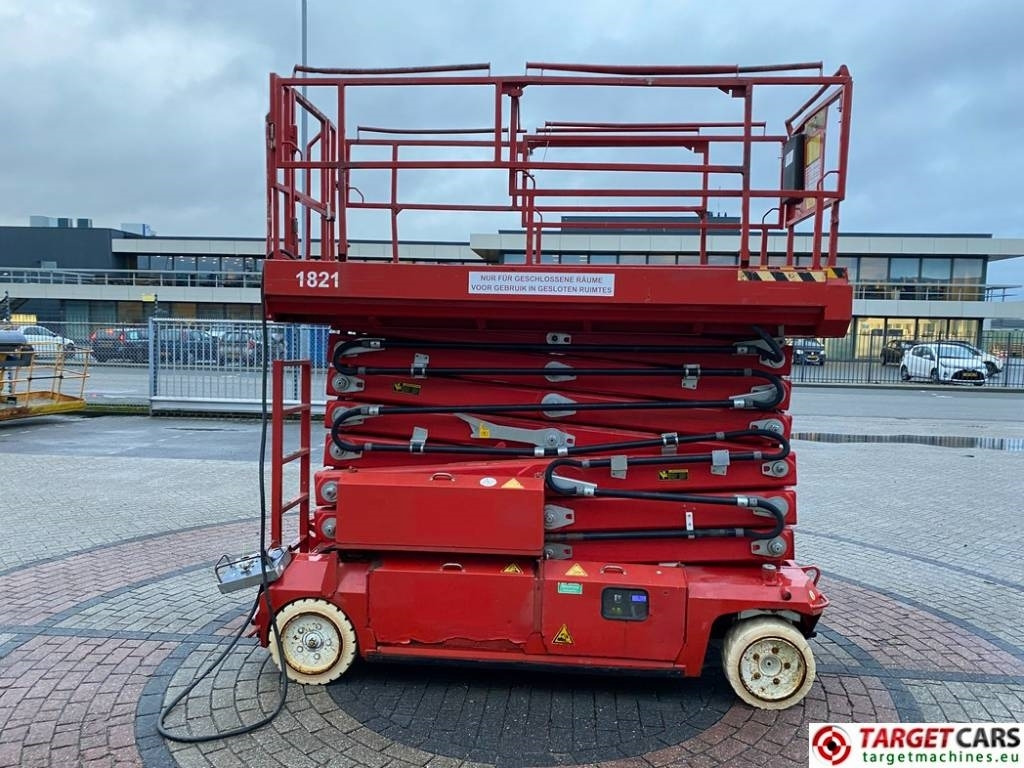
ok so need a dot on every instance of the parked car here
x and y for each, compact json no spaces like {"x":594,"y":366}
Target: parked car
{"x":808,"y":352}
{"x":47,"y":344}
{"x":123,"y":343}
{"x":186,"y":345}
{"x":893,"y":351}
{"x":242,"y":347}
{"x":993,"y":364}
{"x":943,"y":363}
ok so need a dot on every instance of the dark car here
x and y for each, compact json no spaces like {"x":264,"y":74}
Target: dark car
{"x":242,"y":347}
{"x":893,"y":351}
{"x":187,"y":345}
{"x":808,"y":352}
{"x":129,"y":343}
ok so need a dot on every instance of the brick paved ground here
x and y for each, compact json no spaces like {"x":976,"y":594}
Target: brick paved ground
{"x":109,"y":608}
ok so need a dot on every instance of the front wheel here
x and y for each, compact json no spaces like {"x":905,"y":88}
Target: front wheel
{"x":318,"y":641}
{"x":934,"y":375}
{"x":904,"y":373}
{"x":768,"y":662}
{"x":991,"y":368}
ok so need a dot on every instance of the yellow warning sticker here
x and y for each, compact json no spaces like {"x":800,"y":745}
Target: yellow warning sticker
{"x":404,"y":388}
{"x":576,"y":570}
{"x":563,"y":637}
{"x":513,"y":483}
{"x":673,"y":474}
{"x":512,"y":568}
{"x":483,"y":431}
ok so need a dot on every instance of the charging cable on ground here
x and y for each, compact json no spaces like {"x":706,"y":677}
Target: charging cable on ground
{"x":264,"y":594}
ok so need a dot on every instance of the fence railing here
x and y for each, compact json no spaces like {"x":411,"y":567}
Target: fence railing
{"x":141,"y":277}
{"x":216,"y":365}
{"x":903,"y":291}
{"x":935,"y":291}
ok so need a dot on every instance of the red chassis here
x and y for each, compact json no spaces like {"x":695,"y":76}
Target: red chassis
{"x":555,"y":463}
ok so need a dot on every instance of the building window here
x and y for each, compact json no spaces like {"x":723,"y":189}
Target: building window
{"x":931,"y":328}
{"x":936,"y":270}
{"x":632,"y":258}
{"x":874,"y":273}
{"x":851,"y":265}
{"x":967,"y":278}
{"x":963,"y":330}
{"x":723,"y":260}
{"x":661,"y":259}
{"x":904,"y":270}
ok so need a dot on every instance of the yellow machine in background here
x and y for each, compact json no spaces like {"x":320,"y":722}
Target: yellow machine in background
{"x":30,"y":389}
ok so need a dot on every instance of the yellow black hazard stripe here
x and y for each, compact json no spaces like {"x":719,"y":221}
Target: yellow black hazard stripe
{"x":791,"y":275}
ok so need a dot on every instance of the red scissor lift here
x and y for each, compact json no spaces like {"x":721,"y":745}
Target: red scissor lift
{"x":558,"y":463}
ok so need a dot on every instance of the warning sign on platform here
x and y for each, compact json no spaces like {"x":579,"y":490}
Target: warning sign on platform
{"x":563,"y":637}
{"x":543,"y":283}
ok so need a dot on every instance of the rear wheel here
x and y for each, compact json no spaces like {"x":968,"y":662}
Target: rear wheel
{"x":317,"y":639}
{"x":904,"y":373}
{"x":768,"y":662}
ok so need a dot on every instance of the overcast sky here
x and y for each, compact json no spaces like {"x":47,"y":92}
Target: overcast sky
{"x":124,"y":110}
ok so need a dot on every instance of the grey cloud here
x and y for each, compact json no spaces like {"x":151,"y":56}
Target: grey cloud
{"x":123,"y":110}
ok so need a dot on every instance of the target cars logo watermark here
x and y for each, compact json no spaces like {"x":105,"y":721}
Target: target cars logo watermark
{"x":830,"y":744}
{"x":885,"y":744}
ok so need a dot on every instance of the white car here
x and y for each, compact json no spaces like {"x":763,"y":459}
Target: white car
{"x":47,"y":344}
{"x":948,"y":363}
{"x":993,"y":364}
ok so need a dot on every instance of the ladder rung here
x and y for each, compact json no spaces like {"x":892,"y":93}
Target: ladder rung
{"x":302,"y":497}
{"x":295,"y":409}
{"x":295,"y":455}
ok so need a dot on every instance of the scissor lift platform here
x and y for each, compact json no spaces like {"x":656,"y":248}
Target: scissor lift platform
{"x":551,"y":462}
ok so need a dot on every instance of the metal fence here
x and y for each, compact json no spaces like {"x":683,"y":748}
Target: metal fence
{"x":878,"y":359}
{"x":216,"y":365}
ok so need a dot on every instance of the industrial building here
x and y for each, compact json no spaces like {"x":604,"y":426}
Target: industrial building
{"x":73,"y":276}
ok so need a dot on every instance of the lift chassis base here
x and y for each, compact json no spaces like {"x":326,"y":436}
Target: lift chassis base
{"x":582,"y":614}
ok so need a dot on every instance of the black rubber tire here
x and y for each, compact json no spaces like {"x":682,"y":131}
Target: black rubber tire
{"x":934,"y":376}
{"x":904,"y":373}
{"x":991,"y":368}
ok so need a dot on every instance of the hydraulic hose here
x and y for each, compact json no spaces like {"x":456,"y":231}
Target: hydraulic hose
{"x":774,"y":353}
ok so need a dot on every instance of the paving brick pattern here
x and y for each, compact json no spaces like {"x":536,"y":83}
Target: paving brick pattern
{"x":103,"y":623}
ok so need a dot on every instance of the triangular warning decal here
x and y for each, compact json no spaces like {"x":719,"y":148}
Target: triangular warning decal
{"x":512,"y":568}
{"x":576,"y":570}
{"x":513,"y":483}
{"x":563,"y":637}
